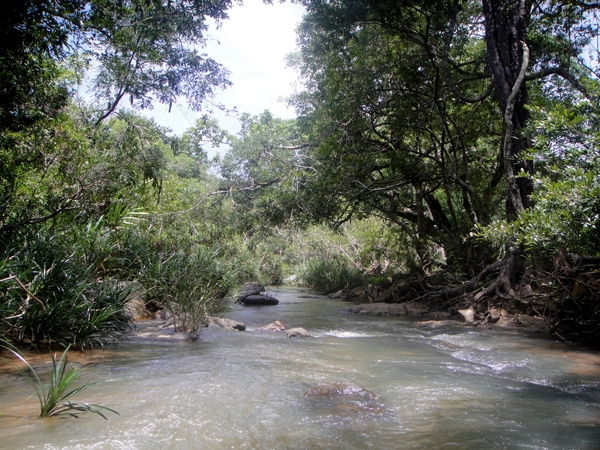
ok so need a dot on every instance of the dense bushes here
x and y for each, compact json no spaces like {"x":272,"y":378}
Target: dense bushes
{"x":49,"y":293}
{"x":329,"y":275}
{"x":188,"y":284}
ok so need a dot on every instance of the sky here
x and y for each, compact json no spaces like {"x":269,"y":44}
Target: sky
{"x":252,"y":44}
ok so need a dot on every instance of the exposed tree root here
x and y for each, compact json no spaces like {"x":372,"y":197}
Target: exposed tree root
{"x":567,"y":297}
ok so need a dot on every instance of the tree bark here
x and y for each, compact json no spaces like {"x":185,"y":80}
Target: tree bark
{"x":505,"y":22}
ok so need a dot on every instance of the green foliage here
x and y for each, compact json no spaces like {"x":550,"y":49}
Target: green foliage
{"x":400,"y":121}
{"x":387,"y":136}
{"x":264,"y":171}
{"x":49,"y":292}
{"x":141,"y":51}
{"x":189,"y":284}
{"x":566,"y":214}
{"x":358,"y":251}
{"x":329,"y":275}
{"x":55,"y":397}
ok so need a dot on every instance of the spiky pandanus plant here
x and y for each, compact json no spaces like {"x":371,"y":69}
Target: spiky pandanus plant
{"x":55,"y":397}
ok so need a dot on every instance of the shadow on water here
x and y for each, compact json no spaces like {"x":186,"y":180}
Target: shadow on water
{"x":445,"y":388}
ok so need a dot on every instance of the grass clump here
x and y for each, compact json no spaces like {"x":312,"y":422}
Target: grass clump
{"x":55,"y":397}
{"x":190,"y":285}
{"x":329,"y":275}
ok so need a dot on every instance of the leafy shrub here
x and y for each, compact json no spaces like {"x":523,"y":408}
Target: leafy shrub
{"x":271,"y":271}
{"x":329,"y":275}
{"x":49,"y":294}
{"x":189,"y":285}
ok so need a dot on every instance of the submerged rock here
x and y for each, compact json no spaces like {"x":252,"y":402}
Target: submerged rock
{"x":346,"y":390}
{"x":380,"y":309}
{"x":296,"y":332}
{"x":435,"y":323}
{"x":274,"y":326}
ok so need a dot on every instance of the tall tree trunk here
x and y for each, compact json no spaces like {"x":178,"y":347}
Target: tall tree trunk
{"x":505,"y":22}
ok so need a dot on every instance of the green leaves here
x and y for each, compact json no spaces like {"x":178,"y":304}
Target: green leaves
{"x":189,"y":284}
{"x":55,"y":397}
{"x":50,"y":296}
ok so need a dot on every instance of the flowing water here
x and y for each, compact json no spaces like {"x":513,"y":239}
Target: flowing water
{"x":449,"y":387}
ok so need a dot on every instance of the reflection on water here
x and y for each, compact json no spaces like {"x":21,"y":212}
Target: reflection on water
{"x":444,"y":388}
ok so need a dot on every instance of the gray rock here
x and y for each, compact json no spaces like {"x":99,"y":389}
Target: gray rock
{"x":296,"y":332}
{"x":435,"y":323}
{"x":338,"y":294}
{"x":274,"y":326}
{"x":380,"y":309}
{"x":221,"y":322}
{"x":256,"y":300}
{"x":415,"y":309}
{"x":468,"y":314}
{"x":438,"y":315}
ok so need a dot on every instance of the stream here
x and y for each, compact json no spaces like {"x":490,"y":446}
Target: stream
{"x":446,"y":387}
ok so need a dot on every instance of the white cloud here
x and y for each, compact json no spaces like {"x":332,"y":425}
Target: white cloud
{"x":252,"y":44}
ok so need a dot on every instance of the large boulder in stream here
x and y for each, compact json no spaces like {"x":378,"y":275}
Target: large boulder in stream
{"x":256,"y":300}
{"x":345,"y":390}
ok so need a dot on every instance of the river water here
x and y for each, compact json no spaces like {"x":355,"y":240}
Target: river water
{"x":449,"y":387}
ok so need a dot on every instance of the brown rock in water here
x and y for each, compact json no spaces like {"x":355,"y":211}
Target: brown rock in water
{"x":435,"y":323}
{"x":225,"y":323}
{"x":274,"y":326}
{"x":346,"y":390}
{"x":135,"y":308}
{"x":338,"y":294}
{"x":296,"y":332}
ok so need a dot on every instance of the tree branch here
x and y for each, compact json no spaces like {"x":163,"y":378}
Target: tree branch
{"x":513,"y":187}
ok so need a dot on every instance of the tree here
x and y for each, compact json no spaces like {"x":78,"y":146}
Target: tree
{"x":416,"y":79}
{"x":389,"y":137}
{"x":139,"y":50}
{"x":264,"y":171}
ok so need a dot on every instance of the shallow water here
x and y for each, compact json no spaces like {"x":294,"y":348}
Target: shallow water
{"x":450,"y":387}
